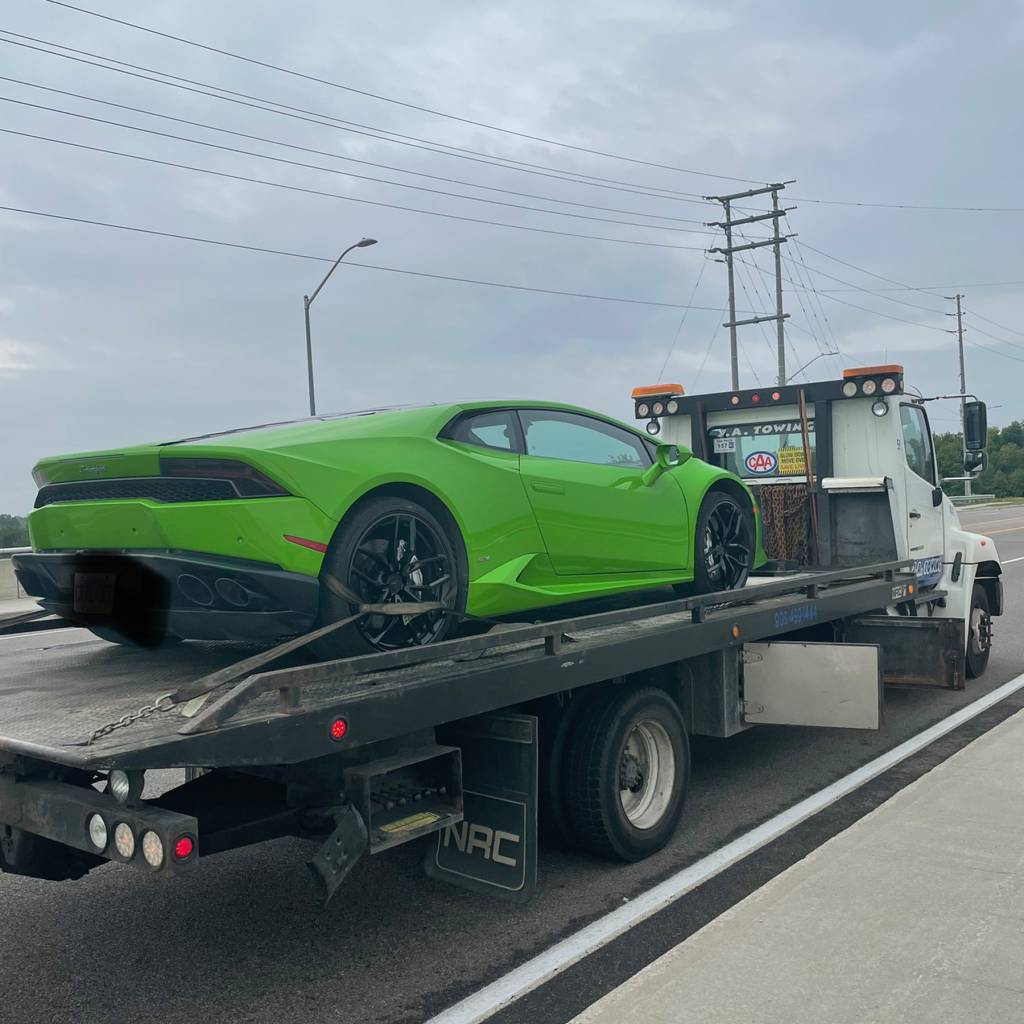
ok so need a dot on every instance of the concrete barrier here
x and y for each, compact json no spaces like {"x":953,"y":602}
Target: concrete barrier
{"x":9,"y":587}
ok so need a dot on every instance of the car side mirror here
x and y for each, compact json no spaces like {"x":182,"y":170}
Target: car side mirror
{"x":936,"y":497}
{"x":975,"y":426}
{"x":666,"y":456}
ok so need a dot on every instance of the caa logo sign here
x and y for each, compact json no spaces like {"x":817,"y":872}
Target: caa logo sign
{"x":761,"y":463}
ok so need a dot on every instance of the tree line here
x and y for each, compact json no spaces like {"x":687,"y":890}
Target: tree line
{"x":1005,"y":474}
{"x":13,"y":531}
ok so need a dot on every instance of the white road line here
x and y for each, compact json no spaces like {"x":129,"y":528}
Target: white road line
{"x":1010,"y":561}
{"x":518,"y":982}
{"x":43,"y":633}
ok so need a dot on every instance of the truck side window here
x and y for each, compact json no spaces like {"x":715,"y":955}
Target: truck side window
{"x":917,"y":442}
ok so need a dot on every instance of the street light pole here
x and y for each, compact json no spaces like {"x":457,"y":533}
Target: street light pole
{"x":307,"y":301}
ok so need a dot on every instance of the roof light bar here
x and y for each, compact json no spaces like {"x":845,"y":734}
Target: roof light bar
{"x":648,"y":390}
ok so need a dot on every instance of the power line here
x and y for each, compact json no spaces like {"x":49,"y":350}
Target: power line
{"x":867,"y":291}
{"x":388,"y":99}
{"x":911,"y":206}
{"x":864,"y":270}
{"x":366,"y":266}
{"x":995,"y":323}
{"x":353,"y":127}
{"x":932,"y":287}
{"x":335,"y":170}
{"x":338,"y":156}
{"x":682,"y":319}
{"x":345,"y":198}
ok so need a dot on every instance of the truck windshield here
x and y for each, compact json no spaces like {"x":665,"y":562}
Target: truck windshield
{"x":756,"y":451}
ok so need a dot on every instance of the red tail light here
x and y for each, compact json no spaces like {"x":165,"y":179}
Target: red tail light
{"x":249,"y":482}
{"x":183,"y":847}
{"x":339,"y":729}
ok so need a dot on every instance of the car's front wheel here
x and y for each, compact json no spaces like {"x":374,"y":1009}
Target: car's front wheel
{"x":724,"y":544}
{"x":390,"y":550}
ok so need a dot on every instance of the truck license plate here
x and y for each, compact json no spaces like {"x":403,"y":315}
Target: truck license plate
{"x":94,"y":592}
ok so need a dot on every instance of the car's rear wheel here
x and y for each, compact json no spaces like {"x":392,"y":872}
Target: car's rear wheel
{"x":724,"y":544}
{"x":391,"y":550}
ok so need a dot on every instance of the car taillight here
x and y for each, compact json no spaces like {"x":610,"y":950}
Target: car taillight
{"x":249,"y":482}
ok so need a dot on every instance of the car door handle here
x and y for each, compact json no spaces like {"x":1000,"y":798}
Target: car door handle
{"x":547,"y":488}
{"x":915,"y":515}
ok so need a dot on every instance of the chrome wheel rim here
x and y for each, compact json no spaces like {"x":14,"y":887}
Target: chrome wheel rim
{"x":728,"y":546}
{"x":647,"y":774}
{"x":399,"y":558}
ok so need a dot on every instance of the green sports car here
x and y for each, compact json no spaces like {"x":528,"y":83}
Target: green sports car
{"x":488,"y":508}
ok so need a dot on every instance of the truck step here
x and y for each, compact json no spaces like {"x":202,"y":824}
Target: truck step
{"x":407,"y":796}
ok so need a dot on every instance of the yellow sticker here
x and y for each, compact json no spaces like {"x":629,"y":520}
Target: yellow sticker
{"x":791,"y":461}
{"x":413,"y":821}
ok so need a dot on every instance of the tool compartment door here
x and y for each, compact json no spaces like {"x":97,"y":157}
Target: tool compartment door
{"x":816,"y":684}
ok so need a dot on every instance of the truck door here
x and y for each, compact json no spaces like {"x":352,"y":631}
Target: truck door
{"x":925,"y":527}
{"x":583,"y":477}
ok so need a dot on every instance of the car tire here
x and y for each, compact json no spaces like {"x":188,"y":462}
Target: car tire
{"x":979,"y":633}
{"x":627,"y":769}
{"x":370,"y":556}
{"x":720,"y":515}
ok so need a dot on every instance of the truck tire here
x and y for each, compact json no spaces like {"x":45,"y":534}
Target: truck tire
{"x":979,"y":633}
{"x":374,"y":554}
{"x":724,"y":545}
{"x":627,"y":769}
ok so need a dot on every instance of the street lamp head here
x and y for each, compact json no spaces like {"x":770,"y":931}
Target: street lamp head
{"x":363,"y":243}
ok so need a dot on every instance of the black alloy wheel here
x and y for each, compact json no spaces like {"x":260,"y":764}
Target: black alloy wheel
{"x":391,"y":550}
{"x":401,"y":557}
{"x":725,"y":544}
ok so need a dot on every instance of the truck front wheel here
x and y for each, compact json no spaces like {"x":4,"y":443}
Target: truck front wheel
{"x":979,"y":633}
{"x":627,"y":768}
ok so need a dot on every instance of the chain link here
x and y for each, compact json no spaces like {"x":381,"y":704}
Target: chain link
{"x":160,"y":706}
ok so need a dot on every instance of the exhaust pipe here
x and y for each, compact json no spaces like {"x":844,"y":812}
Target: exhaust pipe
{"x":195,"y":590}
{"x":232,"y":592}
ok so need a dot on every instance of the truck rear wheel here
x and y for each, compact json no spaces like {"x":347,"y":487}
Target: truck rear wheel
{"x":979,"y":633}
{"x":627,"y":768}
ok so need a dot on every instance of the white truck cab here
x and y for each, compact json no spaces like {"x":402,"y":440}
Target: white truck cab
{"x":872,"y":492}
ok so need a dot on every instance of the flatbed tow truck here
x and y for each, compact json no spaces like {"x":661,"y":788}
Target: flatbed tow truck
{"x":576,"y":727}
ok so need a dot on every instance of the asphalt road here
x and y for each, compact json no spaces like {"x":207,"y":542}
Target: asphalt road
{"x":242,"y":938}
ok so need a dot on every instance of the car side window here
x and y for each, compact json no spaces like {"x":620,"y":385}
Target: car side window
{"x":551,"y":434}
{"x":487,"y":430}
{"x":917,"y":442}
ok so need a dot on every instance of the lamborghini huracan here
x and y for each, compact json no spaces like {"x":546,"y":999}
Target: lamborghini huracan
{"x":486,"y":508}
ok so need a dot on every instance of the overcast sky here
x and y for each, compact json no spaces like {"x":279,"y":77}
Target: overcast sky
{"x":109,"y":338}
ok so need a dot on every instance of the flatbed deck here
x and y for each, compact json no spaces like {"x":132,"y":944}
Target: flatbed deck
{"x":53,"y":699}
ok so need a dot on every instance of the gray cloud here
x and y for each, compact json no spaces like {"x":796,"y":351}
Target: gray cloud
{"x":108,"y":338}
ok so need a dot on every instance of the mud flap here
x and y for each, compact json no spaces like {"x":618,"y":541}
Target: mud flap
{"x":341,"y":852}
{"x":494,"y":848}
{"x":916,"y":651}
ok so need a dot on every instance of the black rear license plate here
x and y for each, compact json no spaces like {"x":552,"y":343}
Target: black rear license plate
{"x":94,"y":592}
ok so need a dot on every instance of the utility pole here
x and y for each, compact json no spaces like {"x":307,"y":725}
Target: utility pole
{"x":727,"y":251}
{"x":958,"y":298}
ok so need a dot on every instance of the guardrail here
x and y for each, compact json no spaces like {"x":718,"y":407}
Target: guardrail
{"x":966,"y":500}
{"x":10,"y":588}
